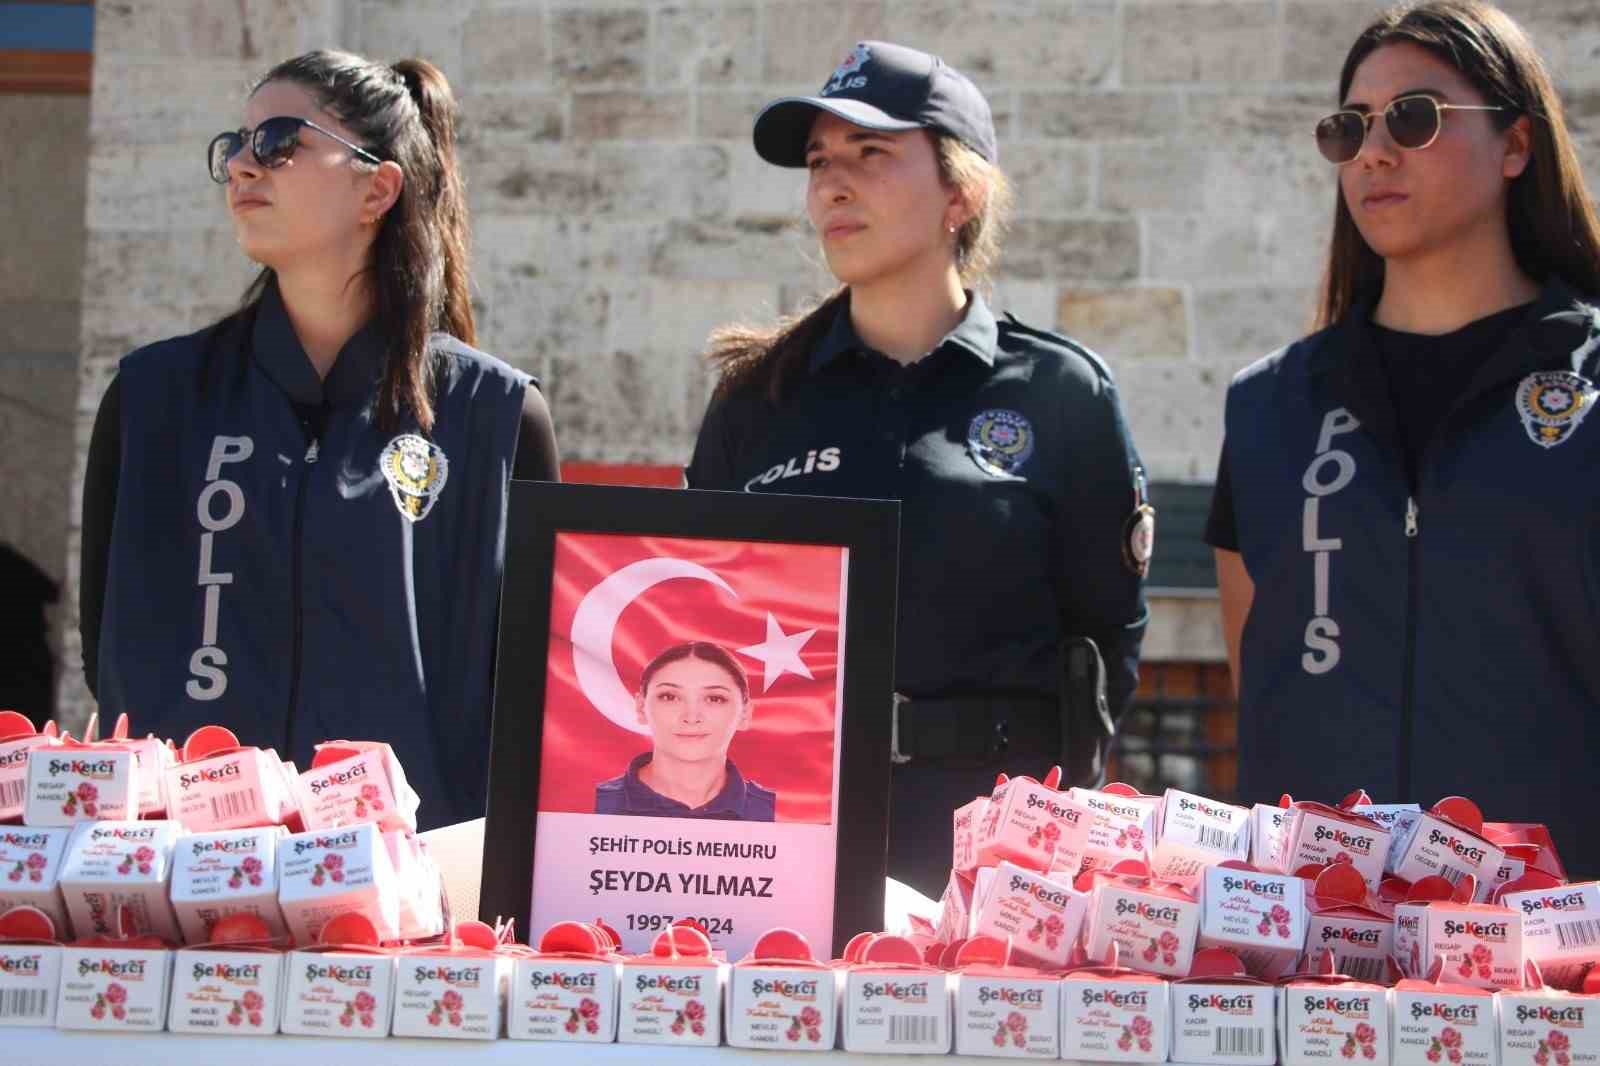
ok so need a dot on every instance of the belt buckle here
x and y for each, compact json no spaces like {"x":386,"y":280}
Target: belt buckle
{"x":896,"y":756}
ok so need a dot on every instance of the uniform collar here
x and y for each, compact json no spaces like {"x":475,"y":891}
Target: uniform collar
{"x":277,"y":351}
{"x":640,"y":798}
{"x":977,"y":332}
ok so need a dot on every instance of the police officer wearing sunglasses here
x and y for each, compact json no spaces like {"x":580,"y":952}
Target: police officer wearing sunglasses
{"x":1407,"y":513}
{"x":1023,"y":532}
{"x":294,"y":519}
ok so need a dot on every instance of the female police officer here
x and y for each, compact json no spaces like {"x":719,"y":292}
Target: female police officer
{"x":1020,"y":490}
{"x":295,"y":518}
{"x":1407,"y":512}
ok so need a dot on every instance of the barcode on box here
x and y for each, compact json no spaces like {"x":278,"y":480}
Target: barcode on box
{"x":1362,"y":968}
{"x":233,"y":805}
{"x":11,"y":792}
{"x":24,"y":1003}
{"x":915,"y":1030}
{"x":1215,"y":838}
{"x":1451,"y":873}
{"x":1584,"y":933}
{"x":1233,"y":1040}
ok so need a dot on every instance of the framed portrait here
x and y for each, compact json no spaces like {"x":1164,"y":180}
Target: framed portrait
{"x":692,"y":713}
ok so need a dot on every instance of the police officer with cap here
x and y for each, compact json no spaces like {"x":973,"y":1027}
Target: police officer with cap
{"x":1025,"y":534}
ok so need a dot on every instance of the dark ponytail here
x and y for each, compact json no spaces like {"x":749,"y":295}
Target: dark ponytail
{"x":405,"y":113}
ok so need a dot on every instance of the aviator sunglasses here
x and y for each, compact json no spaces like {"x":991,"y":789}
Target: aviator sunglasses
{"x":272,"y":143}
{"x":1413,"y":123}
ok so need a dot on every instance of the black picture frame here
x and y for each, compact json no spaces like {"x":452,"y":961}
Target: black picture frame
{"x":538,"y":511}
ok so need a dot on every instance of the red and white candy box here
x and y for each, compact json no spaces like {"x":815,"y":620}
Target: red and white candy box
{"x":1319,"y":835}
{"x":232,"y":986}
{"x":780,"y":997}
{"x":30,"y":869}
{"x":1560,"y":926}
{"x":1222,"y":1015}
{"x":1447,"y":841}
{"x":1267,"y":825}
{"x":1153,"y":923}
{"x":153,"y":756}
{"x":352,"y":781}
{"x":1444,"y":1024}
{"x":231,"y":872}
{"x":1397,"y":818}
{"x":955,"y":909}
{"x":964,"y":850}
{"x":17,"y":738}
{"x":1040,"y":917}
{"x":1348,"y":920}
{"x":328,"y":873}
{"x":1124,"y":825}
{"x":1033,"y":825}
{"x":1259,"y":917}
{"x":113,"y":867}
{"x":1547,"y":1027}
{"x":1196,"y":832}
{"x":1478,"y":943}
{"x":1324,"y":1017}
{"x":454,"y":991}
{"x":219,"y":785}
{"x":115,"y":983}
{"x":30,"y":967}
{"x":1004,"y":1011}
{"x":342,"y":985}
{"x":674,"y":994}
{"x":567,"y":989}
{"x":894,"y":1002}
{"x":75,"y":782}
{"x":1110,"y":1013}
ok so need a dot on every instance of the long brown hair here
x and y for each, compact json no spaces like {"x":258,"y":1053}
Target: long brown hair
{"x":772,"y":356}
{"x":1554,"y":230}
{"x":403,"y":112}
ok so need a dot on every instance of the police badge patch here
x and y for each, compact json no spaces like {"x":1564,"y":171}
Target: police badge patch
{"x":415,"y":469}
{"x":1552,"y":404}
{"x":1000,"y":441}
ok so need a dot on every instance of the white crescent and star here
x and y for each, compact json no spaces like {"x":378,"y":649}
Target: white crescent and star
{"x":595,"y":622}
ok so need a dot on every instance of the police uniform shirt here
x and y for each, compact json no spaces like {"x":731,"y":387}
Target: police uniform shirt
{"x":739,"y":798}
{"x":278,"y":564}
{"x":1016,"y":476}
{"x":1428,"y":633}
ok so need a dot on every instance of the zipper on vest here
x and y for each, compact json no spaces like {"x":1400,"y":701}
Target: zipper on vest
{"x":1406,"y":709}
{"x":297,"y":638}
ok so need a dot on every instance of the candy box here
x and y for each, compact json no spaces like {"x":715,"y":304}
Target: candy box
{"x":115,"y":983}
{"x":568,"y":989}
{"x":1154,"y":924}
{"x":353,"y":781}
{"x":17,"y":738}
{"x":1349,"y":921}
{"x":1319,"y":835}
{"x":1447,"y":842}
{"x":110,"y":866}
{"x":1547,"y":1027}
{"x":417,"y":877}
{"x":76,"y":782}
{"x":30,"y":968}
{"x":1267,"y":823}
{"x":1531,"y":843}
{"x":1397,"y":818}
{"x":894,"y":1002}
{"x":30,"y":868}
{"x":1042,"y":918}
{"x":327,"y":873}
{"x":1004,"y":1011}
{"x":674,"y":994}
{"x":1113,"y":1014}
{"x":964,"y":852}
{"x":227,"y":990}
{"x":1444,"y":1024}
{"x":1259,"y":917}
{"x":1560,"y":926}
{"x":231,"y":872}
{"x":955,"y":909}
{"x":1195,"y":832}
{"x":1478,"y":943}
{"x":220,"y":785}
{"x":342,"y":985}
{"x":1325,"y":1016}
{"x":1124,"y":825}
{"x":1221,"y":1015}
{"x":1032,"y":825}
{"x":455,"y":991}
{"x":152,"y":756}
{"x":780,"y":997}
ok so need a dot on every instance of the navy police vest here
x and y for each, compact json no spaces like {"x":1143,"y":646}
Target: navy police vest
{"x":1431,"y":639}
{"x":298,"y":589}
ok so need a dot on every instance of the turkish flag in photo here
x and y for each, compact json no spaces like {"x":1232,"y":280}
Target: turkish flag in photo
{"x":619,"y":601}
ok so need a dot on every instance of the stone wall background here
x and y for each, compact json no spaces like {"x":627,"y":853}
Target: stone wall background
{"x":1171,"y":206}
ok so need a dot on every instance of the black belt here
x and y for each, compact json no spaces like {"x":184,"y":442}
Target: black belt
{"x":975,"y":730}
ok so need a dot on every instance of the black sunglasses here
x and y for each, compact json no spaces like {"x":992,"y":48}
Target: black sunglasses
{"x":1413,"y":123}
{"x":272,"y":143}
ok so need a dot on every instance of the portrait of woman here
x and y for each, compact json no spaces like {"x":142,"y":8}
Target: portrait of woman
{"x":692,"y":698}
